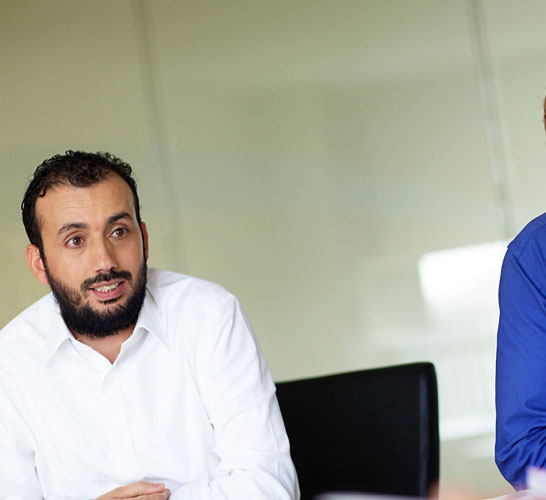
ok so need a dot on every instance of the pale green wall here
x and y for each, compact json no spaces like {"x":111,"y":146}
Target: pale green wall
{"x":305,"y":154}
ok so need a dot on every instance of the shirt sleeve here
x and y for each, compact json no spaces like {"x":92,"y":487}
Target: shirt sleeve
{"x":18,"y":479}
{"x":239,"y":396}
{"x":521,"y":363}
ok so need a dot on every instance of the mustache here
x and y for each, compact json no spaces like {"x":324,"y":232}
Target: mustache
{"x":112,"y":275}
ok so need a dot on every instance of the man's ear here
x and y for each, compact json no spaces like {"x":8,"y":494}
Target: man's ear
{"x":36,"y":264}
{"x":144,"y":239}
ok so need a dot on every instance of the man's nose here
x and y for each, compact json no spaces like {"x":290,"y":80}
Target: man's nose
{"x":104,"y":256}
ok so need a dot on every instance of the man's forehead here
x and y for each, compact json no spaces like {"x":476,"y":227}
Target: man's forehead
{"x":64,"y":201}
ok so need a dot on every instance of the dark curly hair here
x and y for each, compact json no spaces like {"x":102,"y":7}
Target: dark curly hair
{"x":76,"y":168}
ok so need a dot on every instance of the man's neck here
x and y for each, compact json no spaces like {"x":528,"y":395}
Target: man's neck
{"x":109,"y":346}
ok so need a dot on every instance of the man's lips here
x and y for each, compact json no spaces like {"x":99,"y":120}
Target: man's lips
{"x":108,"y":290}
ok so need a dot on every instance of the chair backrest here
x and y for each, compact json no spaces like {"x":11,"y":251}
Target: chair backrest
{"x":372,"y":430}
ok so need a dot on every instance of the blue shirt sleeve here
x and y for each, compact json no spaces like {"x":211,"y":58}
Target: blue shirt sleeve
{"x":521,"y":356}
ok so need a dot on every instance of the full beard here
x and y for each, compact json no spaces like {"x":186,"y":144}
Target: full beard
{"x":84,"y":320}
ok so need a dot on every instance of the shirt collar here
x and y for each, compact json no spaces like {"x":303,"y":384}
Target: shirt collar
{"x":150,"y":319}
{"x":57,"y":332}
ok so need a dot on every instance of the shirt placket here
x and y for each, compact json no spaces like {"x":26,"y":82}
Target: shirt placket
{"x":124,"y":457}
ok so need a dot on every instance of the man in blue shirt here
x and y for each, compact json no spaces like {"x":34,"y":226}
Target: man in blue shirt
{"x":521,"y":355}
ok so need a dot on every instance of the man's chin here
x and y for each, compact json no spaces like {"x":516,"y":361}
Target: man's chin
{"x":106,"y":309}
{"x":99,"y":322}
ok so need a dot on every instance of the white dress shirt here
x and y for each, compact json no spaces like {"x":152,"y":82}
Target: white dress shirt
{"x":189,"y":402}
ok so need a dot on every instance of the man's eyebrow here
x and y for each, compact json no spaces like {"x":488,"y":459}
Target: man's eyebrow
{"x":81,"y":225}
{"x":116,"y":217}
{"x":72,"y":225}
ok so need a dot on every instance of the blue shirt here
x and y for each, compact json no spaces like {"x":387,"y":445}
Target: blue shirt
{"x":521,"y":355}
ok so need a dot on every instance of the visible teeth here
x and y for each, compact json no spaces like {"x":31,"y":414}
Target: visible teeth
{"x":108,"y":288}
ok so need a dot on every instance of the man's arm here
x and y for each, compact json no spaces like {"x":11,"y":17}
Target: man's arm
{"x":521,"y":363}
{"x":18,"y":479}
{"x":239,"y":396}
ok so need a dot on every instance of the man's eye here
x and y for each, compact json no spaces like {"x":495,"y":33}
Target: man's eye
{"x":76,"y":241}
{"x":119,"y":232}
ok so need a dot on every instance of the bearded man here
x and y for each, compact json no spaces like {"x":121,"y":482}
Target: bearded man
{"x":128,"y":382}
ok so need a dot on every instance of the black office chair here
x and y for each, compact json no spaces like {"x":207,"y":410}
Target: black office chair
{"x":372,"y":430}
